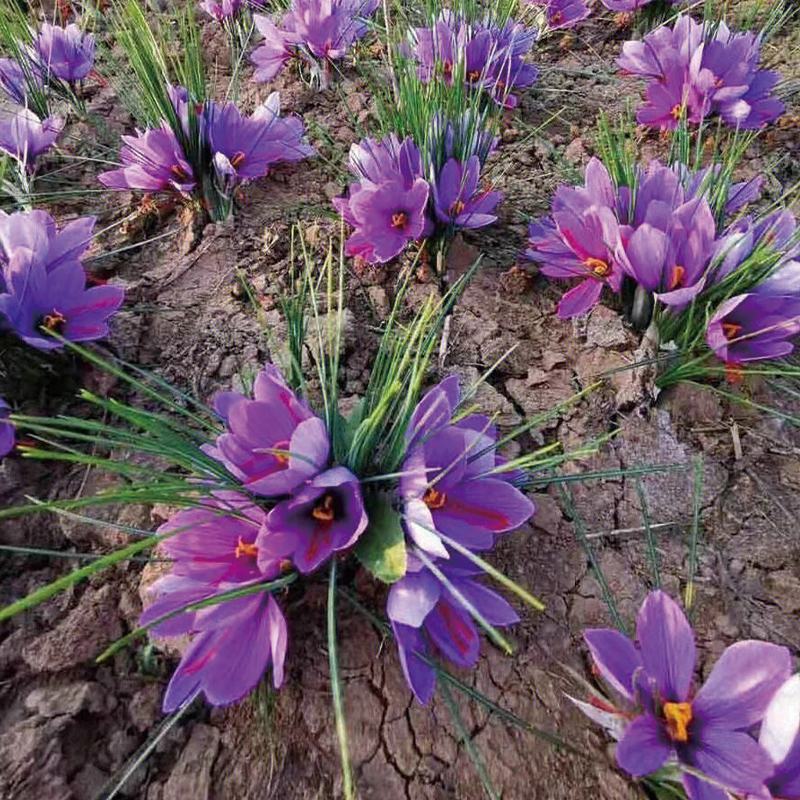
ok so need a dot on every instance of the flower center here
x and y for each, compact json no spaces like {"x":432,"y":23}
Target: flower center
{"x":474,"y":75}
{"x":556,"y":18}
{"x":281,"y":458}
{"x":456,"y":208}
{"x":678,"y":716}
{"x":731,"y":330}
{"x":399,"y":220}
{"x":324,"y":510}
{"x":598,"y":267}
{"x":678,"y":275}
{"x":53,"y":322}
{"x":237,"y":160}
{"x":178,"y":172}
{"x":434,"y":499}
{"x":677,"y":112}
{"x":447,"y":68}
{"x":245,"y":549}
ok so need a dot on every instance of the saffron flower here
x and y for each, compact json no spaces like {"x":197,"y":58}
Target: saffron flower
{"x":25,"y":137}
{"x":429,"y":619}
{"x":319,"y":31}
{"x":221,"y":10}
{"x":563,"y":13}
{"x":67,"y":53}
{"x":15,"y":80}
{"x":449,"y":483}
{"x":704,"y":729}
{"x":488,"y":56}
{"x":698,"y":70}
{"x":322,"y":517}
{"x":214,"y":550}
{"x":754,"y":327}
{"x":246,"y":147}
{"x":780,"y":737}
{"x":39,"y":301}
{"x":153,"y":161}
{"x":274,"y":442}
{"x":457,"y":200}
{"x":627,"y":5}
{"x":7,"y":435}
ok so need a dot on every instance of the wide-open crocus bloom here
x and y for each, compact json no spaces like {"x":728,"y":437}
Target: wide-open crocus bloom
{"x":429,"y":620}
{"x":705,"y":729}
{"x":153,"y":161}
{"x":39,"y":301}
{"x":449,"y":485}
{"x":457,"y":200}
{"x":780,"y":737}
{"x":25,"y":137}
{"x":221,"y":9}
{"x":272,"y":443}
{"x":246,"y":147}
{"x":7,"y":434}
{"x":316,"y":30}
{"x":214,"y":550}
{"x":488,"y":56}
{"x":324,"y":516}
{"x":754,"y":327}
{"x":563,"y":13}
{"x":698,"y":70}
{"x":67,"y":53}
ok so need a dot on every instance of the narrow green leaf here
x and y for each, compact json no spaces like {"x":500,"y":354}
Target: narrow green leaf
{"x":382,"y":547}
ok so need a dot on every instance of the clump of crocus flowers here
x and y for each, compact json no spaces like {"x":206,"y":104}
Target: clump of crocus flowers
{"x":44,"y":289}
{"x":219,"y":148}
{"x":699,"y":70}
{"x":662,"y":248}
{"x":482,"y":54}
{"x":297,"y":509}
{"x":402,"y":195}
{"x":664,"y":720}
{"x":318,"y":32}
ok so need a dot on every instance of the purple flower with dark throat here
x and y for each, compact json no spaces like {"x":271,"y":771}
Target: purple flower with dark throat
{"x":457,"y":199}
{"x":7,"y":433}
{"x":40,"y":301}
{"x":429,"y":619}
{"x":246,"y":147}
{"x":780,"y":737}
{"x":215,"y":550}
{"x":67,"y":53}
{"x":705,"y":730}
{"x":323,"y":517}
{"x":274,"y":442}
{"x":563,"y":13}
{"x":153,"y":161}
{"x":25,"y":137}
{"x":754,"y":327}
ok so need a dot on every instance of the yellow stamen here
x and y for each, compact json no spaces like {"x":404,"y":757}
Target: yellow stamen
{"x":598,"y":267}
{"x":245,"y":549}
{"x":399,"y":220}
{"x":323,"y":510}
{"x":434,"y":499}
{"x":678,"y":716}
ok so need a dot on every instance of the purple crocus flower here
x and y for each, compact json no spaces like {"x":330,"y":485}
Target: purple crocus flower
{"x":15,"y":80}
{"x":754,"y":327}
{"x":449,"y":483}
{"x":38,"y":299}
{"x":214,"y":550}
{"x":276,"y":51}
{"x":221,"y":10}
{"x":627,"y":5}
{"x":67,"y":53}
{"x":456,"y":198}
{"x":707,"y":729}
{"x":246,"y":147}
{"x":274,"y":442}
{"x":153,"y":161}
{"x":428,"y":619}
{"x":7,"y":433}
{"x":323,"y":517}
{"x":25,"y":137}
{"x":780,"y":737}
{"x":563,"y":13}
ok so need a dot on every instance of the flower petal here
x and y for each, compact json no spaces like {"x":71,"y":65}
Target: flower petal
{"x":615,"y":656}
{"x":644,"y":747}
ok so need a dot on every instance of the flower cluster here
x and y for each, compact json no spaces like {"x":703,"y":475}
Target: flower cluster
{"x":238,"y":147}
{"x":7,"y":434}
{"x":665,"y":720}
{"x":317,"y":31}
{"x":296,"y":510}
{"x":391,"y":203}
{"x":665,"y":239}
{"x":43,"y":285}
{"x":697,"y":71}
{"x":484,"y":55}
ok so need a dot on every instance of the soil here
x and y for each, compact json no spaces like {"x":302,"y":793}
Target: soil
{"x":67,"y":726}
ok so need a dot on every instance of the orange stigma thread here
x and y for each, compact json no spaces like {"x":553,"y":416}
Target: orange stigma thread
{"x":731,"y":330}
{"x":399,"y":220}
{"x":54,"y":322}
{"x":678,"y":716}
{"x":244,"y":549}
{"x":598,"y":267}
{"x":323,"y":510}
{"x":434,"y":499}
{"x":281,"y":458}
{"x":676,"y":112}
{"x":678,"y":275}
{"x":457,"y":208}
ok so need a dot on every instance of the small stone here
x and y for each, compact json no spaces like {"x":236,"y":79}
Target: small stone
{"x":191,"y":775}
{"x":736,"y":567}
{"x":68,"y":700}
{"x":605,"y":328}
{"x":332,"y":189}
{"x":89,"y":782}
